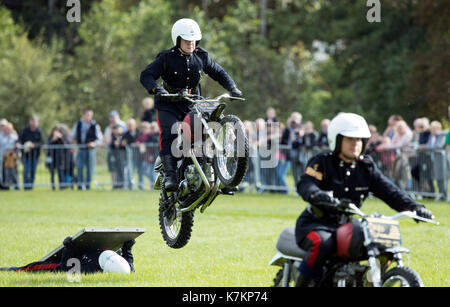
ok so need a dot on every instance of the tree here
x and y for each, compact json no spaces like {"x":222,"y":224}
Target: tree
{"x":28,"y":83}
{"x":118,"y":42}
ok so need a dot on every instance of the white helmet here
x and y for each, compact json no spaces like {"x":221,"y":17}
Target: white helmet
{"x":112,"y":262}
{"x":187,"y":29}
{"x":347,"y":124}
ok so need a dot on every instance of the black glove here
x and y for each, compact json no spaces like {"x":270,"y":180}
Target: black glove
{"x":424,"y":212}
{"x":235,"y":92}
{"x":68,"y":242}
{"x":323,"y":198}
{"x":159,"y":90}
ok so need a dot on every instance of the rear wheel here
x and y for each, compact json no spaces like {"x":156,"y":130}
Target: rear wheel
{"x":231,"y":163}
{"x":176,"y":227}
{"x":401,"y":277}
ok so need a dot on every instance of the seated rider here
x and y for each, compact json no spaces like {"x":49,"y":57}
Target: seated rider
{"x":343,"y":173}
{"x":180,"y":68}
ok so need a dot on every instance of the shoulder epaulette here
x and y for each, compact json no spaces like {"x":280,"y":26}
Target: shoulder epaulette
{"x":166,"y":52}
{"x":200,"y":50}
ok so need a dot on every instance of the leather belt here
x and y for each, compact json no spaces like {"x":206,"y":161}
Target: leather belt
{"x":174,"y":90}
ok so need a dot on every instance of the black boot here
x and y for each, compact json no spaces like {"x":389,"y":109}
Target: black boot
{"x":170,"y":172}
{"x":127,"y":254}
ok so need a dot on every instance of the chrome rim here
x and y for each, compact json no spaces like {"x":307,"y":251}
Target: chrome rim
{"x":172,"y":225}
{"x":396,"y":281}
{"x":227,"y":160}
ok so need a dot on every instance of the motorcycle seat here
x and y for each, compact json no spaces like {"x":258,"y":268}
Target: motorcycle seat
{"x":287,"y":244}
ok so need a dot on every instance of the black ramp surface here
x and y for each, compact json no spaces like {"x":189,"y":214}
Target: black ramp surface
{"x":97,"y":238}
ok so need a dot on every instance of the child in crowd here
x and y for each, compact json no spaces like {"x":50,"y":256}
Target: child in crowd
{"x":10,"y":169}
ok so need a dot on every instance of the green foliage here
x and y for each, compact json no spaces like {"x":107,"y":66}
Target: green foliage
{"x":376,"y":69}
{"x":28,"y":83}
{"x":116,"y":46}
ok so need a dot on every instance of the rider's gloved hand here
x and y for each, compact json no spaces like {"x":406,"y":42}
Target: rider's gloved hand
{"x":424,"y":212}
{"x":235,"y":92}
{"x":323,"y":198}
{"x":159,"y":90}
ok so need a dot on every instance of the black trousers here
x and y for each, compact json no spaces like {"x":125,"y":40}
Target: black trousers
{"x":320,"y":244}
{"x":168,"y":121}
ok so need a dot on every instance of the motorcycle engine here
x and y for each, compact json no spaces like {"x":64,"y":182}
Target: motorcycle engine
{"x":194,"y":181}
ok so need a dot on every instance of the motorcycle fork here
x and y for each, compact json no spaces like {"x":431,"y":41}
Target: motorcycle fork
{"x":209,"y":131}
{"x":374,"y":264}
{"x":399,"y":259}
{"x":375,"y":269}
{"x":290,"y":271}
{"x":286,"y":273}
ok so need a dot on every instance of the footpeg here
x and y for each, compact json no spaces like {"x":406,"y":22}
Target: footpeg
{"x":228,"y":191}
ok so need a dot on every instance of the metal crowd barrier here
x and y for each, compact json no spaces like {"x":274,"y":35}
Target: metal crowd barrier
{"x":422,"y":173}
{"x":79,"y":167}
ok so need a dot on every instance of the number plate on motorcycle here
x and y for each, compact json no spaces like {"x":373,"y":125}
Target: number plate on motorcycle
{"x":207,"y":106}
{"x":383,"y":231}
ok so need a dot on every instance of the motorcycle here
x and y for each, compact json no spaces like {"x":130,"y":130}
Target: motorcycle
{"x":374,"y":267}
{"x":214,"y":161}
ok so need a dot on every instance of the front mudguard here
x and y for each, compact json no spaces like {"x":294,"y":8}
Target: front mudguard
{"x":279,"y":259}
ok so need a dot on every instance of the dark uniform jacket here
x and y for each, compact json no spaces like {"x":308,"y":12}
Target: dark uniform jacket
{"x":34,"y":136}
{"x":352,"y":181}
{"x":179,"y":71}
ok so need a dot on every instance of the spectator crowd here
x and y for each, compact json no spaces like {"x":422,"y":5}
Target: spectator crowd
{"x":71,"y":154}
{"x":414,"y":158}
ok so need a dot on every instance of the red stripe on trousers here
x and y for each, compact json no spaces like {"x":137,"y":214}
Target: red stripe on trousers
{"x":315,"y":239}
{"x":160,"y":131}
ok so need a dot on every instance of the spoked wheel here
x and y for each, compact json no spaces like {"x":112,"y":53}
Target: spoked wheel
{"x":401,"y":277}
{"x":176,"y":227}
{"x":230,"y":164}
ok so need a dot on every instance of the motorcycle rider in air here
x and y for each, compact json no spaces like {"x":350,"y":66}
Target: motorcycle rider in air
{"x":181,"y":69}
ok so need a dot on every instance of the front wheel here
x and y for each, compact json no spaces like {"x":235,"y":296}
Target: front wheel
{"x":175,"y":227}
{"x":231,"y":163}
{"x":401,"y":277}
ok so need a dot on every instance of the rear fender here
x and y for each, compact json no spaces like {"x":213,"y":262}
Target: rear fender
{"x":279,"y":259}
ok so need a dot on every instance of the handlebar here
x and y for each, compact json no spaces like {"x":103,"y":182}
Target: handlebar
{"x":179,"y":97}
{"x":347,"y":207}
{"x":183,"y":96}
{"x":413,"y":215}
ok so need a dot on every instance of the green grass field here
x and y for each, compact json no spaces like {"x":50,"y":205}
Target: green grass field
{"x":231,"y":244}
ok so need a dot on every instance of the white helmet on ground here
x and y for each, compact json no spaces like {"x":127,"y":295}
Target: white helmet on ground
{"x":187,"y":29}
{"x":349,"y":125}
{"x":112,"y":262}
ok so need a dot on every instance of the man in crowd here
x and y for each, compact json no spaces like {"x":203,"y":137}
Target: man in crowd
{"x":149,"y":110}
{"x":88,"y":135}
{"x":129,"y":140}
{"x":30,"y":141}
{"x":114,"y":120}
